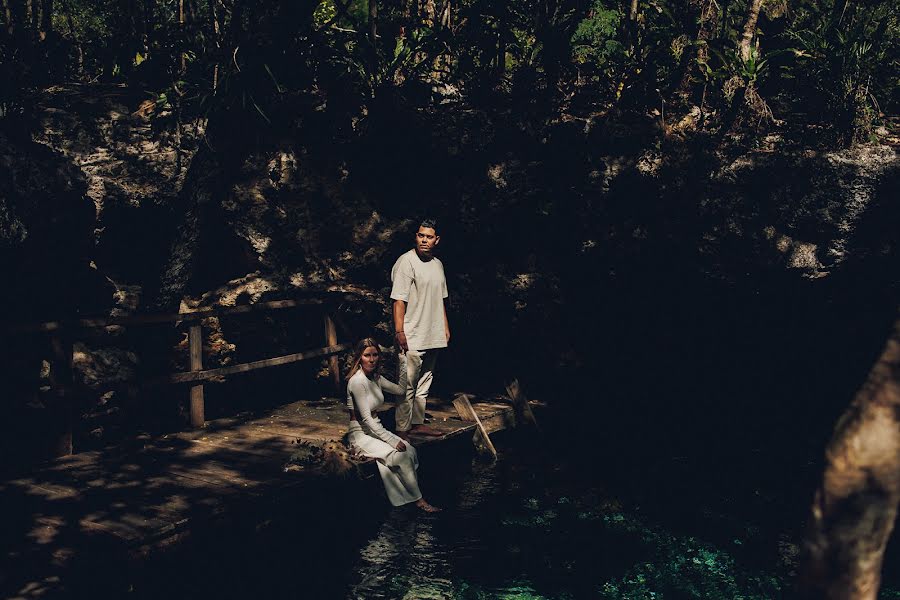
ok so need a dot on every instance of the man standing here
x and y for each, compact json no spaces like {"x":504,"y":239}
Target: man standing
{"x":420,"y":324}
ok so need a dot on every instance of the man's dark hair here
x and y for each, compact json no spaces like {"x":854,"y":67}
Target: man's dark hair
{"x":430,"y":223}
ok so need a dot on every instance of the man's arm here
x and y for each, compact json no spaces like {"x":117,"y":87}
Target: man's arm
{"x":399,"y":315}
{"x":446,"y":323}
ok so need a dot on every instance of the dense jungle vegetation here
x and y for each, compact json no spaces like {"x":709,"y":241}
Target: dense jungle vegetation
{"x":831,"y":64}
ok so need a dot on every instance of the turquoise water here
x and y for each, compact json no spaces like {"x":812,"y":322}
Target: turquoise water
{"x":529,"y":526}
{"x":523,"y":529}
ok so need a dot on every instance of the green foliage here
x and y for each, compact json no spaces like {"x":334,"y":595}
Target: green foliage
{"x":597,"y":38}
{"x":751,"y":68}
{"x":414,"y":56}
{"x":684,"y":567}
{"x":663,"y":564}
{"x":836,"y":60}
{"x":325,"y":12}
{"x":847,"y":62}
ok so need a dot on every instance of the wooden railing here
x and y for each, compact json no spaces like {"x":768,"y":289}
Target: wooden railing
{"x":63,"y":336}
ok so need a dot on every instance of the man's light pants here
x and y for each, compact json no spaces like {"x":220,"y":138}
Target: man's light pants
{"x":416,"y":374}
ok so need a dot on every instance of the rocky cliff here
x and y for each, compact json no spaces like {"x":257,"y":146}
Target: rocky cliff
{"x":538,"y":220}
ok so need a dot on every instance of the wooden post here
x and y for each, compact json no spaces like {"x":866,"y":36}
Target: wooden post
{"x":467,"y":413}
{"x":523,"y":410}
{"x":195,"y":342}
{"x":331,"y":340}
{"x":62,"y":382}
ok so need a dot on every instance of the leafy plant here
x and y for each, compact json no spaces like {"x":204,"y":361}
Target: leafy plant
{"x":840,"y":60}
{"x":596,"y":40}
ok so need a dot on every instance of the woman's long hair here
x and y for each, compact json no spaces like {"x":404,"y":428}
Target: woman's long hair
{"x":361,"y":346}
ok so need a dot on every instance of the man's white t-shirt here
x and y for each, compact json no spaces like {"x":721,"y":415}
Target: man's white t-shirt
{"x":422,"y":285}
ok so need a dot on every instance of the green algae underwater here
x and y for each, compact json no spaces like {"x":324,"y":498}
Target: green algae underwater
{"x":535,"y":524}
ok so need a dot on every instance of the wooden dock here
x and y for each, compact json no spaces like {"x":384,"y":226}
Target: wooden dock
{"x":150,"y":492}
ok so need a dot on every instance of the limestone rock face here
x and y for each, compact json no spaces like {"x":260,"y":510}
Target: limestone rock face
{"x":46,"y":233}
{"x":46,"y":244}
{"x":803,"y":209}
{"x":127,"y":150}
{"x":540,"y":217}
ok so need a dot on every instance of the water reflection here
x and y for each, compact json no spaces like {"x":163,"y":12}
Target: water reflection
{"x":443,"y":556}
{"x":404,"y":560}
{"x":524,"y":528}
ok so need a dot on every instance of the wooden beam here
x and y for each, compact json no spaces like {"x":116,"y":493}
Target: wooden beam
{"x":524,"y":414}
{"x":481,"y":439}
{"x":251,"y":366}
{"x":62,"y":381}
{"x":195,"y":341}
{"x":330,"y":341}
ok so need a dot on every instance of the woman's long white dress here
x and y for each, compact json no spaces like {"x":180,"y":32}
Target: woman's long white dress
{"x":369,"y":438}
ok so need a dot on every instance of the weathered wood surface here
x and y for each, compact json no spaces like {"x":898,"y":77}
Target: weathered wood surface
{"x":331,"y":340}
{"x":466,"y":412}
{"x":524,"y":414}
{"x":192,"y":376}
{"x":152,"y":491}
{"x":195,"y":343}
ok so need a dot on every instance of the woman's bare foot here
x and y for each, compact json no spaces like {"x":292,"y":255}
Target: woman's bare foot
{"x":421,"y":503}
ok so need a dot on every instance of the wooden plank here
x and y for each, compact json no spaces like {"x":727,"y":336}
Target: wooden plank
{"x":467,"y":413}
{"x":320,"y":431}
{"x":185,"y":317}
{"x":250,"y":440}
{"x":252,"y":366}
{"x":220,"y":475}
{"x":155,"y":491}
{"x":195,"y":341}
{"x":331,"y":340}
{"x":493,"y":418}
{"x":62,"y":381}
{"x":520,"y":404}
{"x":499,"y":421}
{"x":234,"y":448}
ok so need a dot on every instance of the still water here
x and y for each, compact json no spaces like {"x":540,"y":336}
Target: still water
{"x":533,"y":525}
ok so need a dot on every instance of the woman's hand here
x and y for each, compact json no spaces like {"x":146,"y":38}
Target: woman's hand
{"x":401,"y":447}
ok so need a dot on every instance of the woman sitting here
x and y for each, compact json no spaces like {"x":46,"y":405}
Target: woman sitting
{"x":396,"y":459}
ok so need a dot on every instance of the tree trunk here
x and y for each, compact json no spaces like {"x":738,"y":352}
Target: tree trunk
{"x":630,"y":70}
{"x":16,"y":18}
{"x":46,"y":19}
{"x":148,"y":10}
{"x":447,"y":24}
{"x":8,"y":17}
{"x":181,"y":31}
{"x":79,"y":51}
{"x":446,"y":14}
{"x":135,"y":29}
{"x":236,"y":26}
{"x":215,"y":34}
{"x":723,"y":29}
{"x":750,"y":28}
{"x":855,"y":506}
{"x":373,"y":22}
{"x":631,"y":26}
{"x":707,"y":19}
{"x":501,"y":40}
{"x":214,"y":26}
{"x":837,"y":13}
{"x":373,"y":40}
